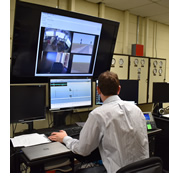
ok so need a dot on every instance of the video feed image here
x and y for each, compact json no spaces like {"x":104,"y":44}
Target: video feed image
{"x":57,"y":40}
{"x":64,"y":52}
{"x":55,"y":53}
{"x":82,"y":43}
{"x":81,"y":64}
{"x":53,"y":62}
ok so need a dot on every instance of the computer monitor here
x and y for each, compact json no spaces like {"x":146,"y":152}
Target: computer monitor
{"x":27,"y":103}
{"x":71,"y":93}
{"x":160,"y":92}
{"x":51,"y":42}
{"x":129,"y":91}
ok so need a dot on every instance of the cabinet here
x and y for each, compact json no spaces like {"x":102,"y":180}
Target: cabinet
{"x":138,"y":70}
{"x":157,"y":73}
{"x":120,"y":66}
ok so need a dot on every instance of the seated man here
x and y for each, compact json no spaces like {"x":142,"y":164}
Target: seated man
{"x":117,"y":128}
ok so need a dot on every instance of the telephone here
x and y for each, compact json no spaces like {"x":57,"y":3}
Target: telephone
{"x":151,"y":125}
{"x":163,"y":111}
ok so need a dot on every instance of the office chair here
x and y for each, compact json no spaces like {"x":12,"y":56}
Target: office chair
{"x":149,"y":165}
{"x":57,"y":67}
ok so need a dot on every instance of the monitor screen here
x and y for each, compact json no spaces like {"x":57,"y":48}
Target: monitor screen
{"x":128,"y":92}
{"x":27,"y":103}
{"x":59,"y":43}
{"x":70,"y":93}
{"x":147,"y":116}
{"x":160,"y":92}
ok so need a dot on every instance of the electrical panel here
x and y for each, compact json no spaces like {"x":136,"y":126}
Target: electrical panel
{"x":120,"y":65}
{"x":138,"y":70}
{"x":157,"y":73}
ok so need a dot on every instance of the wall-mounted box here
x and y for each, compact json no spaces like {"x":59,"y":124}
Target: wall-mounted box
{"x":137,"y":50}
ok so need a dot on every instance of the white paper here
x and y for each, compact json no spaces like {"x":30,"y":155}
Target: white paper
{"x":29,"y":140}
{"x":80,"y":123}
{"x":165,"y":115}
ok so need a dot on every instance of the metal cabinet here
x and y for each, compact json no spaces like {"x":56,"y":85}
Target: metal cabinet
{"x":120,"y":65}
{"x":157,"y":73}
{"x":138,"y":70}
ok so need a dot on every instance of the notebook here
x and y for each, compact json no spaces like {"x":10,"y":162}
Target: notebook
{"x":45,"y":150}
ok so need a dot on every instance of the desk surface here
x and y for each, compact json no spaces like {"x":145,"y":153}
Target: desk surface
{"x":156,"y":116}
{"x":153,"y":132}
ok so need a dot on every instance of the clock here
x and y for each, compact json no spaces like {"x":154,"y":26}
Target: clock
{"x":154,"y":71}
{"x":113,"y":62}
{"x":121,"y":62}
{"x":155,"y":63}
{"x":136,"y":62}
{"x":160,"y":64}
{"x":142,"y":62}
{"x":160,"y":71}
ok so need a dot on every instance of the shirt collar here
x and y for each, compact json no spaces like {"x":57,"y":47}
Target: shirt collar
{"x":112,"y":99}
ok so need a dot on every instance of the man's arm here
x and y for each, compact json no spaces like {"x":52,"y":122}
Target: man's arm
{"x":89,"y":138}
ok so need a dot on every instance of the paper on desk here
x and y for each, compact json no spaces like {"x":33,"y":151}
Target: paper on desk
{"x":80,"y":123}
{"x":29,"y":140}
{"x":165,"y":115}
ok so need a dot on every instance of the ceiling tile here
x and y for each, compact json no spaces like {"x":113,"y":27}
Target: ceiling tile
{"x":126,"y":4}
{"x":164,"y":3}
{"x":163,"y":18}
{"x":157,"y":10}
{"x":149,"y":10}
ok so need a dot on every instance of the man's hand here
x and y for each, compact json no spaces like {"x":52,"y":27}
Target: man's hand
{"x":58,"y":136}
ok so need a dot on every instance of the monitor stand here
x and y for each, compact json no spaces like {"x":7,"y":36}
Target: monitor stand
{"x":30,"y":127}
{"x":59,"y":118}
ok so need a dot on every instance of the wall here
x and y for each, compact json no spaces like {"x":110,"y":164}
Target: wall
{"x":153,"y":35}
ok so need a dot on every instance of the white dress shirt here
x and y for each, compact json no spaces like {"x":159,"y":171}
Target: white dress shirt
{"x":118,"y":129}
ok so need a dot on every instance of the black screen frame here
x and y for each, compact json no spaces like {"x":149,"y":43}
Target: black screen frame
{"x":133,"y":96}
{"x":73,"y":107}
{"x":105,"y":49}
{"x":160,"y":93}
{"x":20,"y":91}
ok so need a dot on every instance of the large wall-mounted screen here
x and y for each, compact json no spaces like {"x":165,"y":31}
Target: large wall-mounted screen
{"x":50,"y":42}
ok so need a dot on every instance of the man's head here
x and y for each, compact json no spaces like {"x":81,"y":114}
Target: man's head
{"x":109,"y":83}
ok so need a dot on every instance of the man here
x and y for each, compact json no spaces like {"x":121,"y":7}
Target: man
{"x":117,"y":128}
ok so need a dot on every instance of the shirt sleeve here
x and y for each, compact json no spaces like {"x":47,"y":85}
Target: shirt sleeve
{"x":89,"y":138}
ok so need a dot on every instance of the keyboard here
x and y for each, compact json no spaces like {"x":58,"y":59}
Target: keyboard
{"x":71,"y":131}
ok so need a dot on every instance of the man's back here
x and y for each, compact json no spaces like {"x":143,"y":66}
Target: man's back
{"x":124,"y":133}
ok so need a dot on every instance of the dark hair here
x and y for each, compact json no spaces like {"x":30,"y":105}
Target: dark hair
{"x":108,"y":83}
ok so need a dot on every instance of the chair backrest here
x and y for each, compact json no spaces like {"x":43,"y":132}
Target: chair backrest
{"x":57,"y":67}
{"x":149,"y":165}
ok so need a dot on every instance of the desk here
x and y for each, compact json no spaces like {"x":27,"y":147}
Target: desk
{"x":152,"y":140}
{"x":162,"y":140}
{"x":38,"y":165}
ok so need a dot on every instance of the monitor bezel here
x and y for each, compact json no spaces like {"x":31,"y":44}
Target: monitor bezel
{"x":154,"y":100}
{"x":69,"y":108}
{"x":100,"y":57}
{"x":31,"y":118}
{"x":120,"y":80}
